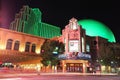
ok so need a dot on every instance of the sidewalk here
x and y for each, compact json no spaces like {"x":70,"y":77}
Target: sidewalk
{"x":12,"y":72}
{"x":78,"y":74}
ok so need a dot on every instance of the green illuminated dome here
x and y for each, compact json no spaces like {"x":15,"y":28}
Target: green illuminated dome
{"x":95,"y":28}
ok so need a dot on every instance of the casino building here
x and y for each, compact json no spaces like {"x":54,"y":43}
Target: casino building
{"x":29,"y":20}
{"x":21,"y":44}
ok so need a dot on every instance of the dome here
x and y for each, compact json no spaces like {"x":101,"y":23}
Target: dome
{"x":96,"y":28}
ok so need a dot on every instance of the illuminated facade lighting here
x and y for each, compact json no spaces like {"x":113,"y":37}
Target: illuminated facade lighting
{"x":96,"y":28}
{"x":22,"y":43}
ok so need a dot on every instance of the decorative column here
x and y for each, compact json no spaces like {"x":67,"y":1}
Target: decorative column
{"x":13,"y":44}
{"x":64,"y":66}
{"x":30,"y":47}
{"x":84,"y":67}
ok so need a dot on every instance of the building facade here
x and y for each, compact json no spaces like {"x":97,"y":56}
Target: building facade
{"x":29,"y":20}
{"x":20,"y":48}
{"x":85,"y":53}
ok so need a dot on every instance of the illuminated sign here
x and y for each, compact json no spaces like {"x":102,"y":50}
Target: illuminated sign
{"x":79,"y":56}
{"x":62,"y":56}
{"x":73,"y":46}
{"x":84,"y":56}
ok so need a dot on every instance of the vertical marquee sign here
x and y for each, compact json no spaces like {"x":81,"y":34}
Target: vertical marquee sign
{"x":73,"y":46}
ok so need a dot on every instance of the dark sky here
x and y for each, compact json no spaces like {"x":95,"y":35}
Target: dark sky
{"x":58,"y":12}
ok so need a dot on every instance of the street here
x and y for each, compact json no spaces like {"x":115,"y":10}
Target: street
{"x":62,"y":77}
{"x":55,"y":76}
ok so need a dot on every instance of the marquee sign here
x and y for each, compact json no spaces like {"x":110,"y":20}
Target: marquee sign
{"x":78,"y":56}
{"x":84,"y":56}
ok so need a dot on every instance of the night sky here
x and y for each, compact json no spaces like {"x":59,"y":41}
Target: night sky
{"x":59,"y":12}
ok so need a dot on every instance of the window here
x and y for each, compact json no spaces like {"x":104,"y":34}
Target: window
{"x":87,"y":47}
{"x":9,"y":44}
{"x":27,"y":46}
{"x":33,"y":48}
{"x":95,"y":42}
{"x":16,"y":45}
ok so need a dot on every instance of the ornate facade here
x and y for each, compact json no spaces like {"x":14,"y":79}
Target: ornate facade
{"x":83,"y":52}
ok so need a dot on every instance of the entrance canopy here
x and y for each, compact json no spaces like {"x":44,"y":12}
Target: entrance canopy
{"x":77,"y":56}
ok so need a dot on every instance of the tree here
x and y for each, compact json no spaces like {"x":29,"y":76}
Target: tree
{"x":106,"y":55}
{"x":109,"y":55}
{"x":50,"y":51}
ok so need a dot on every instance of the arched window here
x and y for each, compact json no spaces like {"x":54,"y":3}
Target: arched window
{"x":16,"y":45}
{"x":27,"y":46}
{"x":9,"y":44}
{"x":33,"y":47}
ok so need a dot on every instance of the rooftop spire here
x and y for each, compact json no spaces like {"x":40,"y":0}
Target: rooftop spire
{"x":73,"y":23}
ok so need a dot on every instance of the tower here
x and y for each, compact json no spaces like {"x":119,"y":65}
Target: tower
{"x":74,"y":38}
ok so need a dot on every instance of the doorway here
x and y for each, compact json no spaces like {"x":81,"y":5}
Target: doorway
{"x":74,"y":67}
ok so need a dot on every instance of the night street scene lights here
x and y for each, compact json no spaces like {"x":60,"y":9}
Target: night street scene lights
{"x":33,"y":44}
